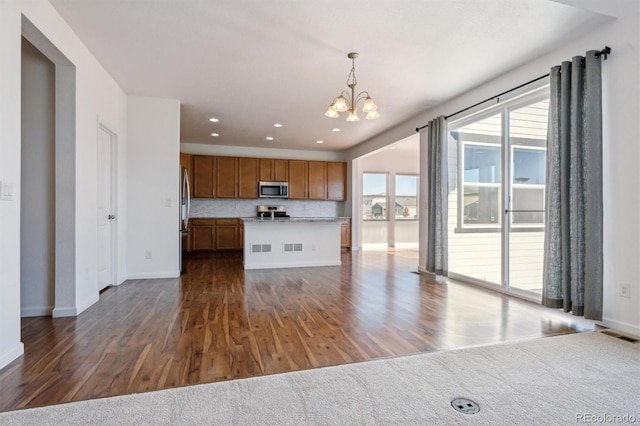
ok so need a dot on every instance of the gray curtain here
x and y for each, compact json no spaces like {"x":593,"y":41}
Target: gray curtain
{"x":572,"y":277}
{"x":437,"y":198}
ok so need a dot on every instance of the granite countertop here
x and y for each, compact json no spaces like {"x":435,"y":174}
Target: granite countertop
{"x":295,"y":219}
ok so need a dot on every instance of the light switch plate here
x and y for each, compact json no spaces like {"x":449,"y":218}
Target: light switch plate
{"x":6,"y":191}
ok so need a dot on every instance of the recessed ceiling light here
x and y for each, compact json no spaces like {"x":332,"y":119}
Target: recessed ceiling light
{"x":269,"y":138}
{"x":215,"y":135}
{"x":392,"y":147}
{"x":213,"y":120}
{"x":336,"y":130}
{"x":319,"y":141}
{"x":277,"y":125}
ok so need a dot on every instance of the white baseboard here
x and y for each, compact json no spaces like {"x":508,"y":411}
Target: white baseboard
{"x":86,"y":303}
{"x":36,"y":311}
{"x":151,"y":275}
{"x":69,"y":311}
{"x":11,"y":354}
{"x":624,"y":327}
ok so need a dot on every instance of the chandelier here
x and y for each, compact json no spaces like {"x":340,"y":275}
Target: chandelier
{"x":345,"y":102}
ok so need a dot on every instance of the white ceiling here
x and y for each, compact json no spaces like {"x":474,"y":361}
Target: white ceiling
{"x":253,"y":63}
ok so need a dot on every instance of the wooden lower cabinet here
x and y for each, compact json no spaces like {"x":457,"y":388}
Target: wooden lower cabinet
{"x":202,"y":234}
{"x":345,"y":234}
{"x":216,"y":234}
{"x":227,"y":234}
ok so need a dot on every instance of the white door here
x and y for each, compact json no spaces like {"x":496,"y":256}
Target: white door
{"x":105,"y":212}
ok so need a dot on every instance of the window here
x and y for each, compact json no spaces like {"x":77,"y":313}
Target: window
{"x":406,"y":197}
{"x":528,"y":134}
{"x":481,"y":173}
{"x":375,"y":196}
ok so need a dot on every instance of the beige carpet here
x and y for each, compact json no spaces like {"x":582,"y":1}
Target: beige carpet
{"x":579,"y":378}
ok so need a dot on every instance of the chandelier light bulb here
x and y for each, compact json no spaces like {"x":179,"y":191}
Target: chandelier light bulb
{"x":331,"y":113}
{"x":353,"y":116}
{"x":372,"y":115}
{"x":340,"y":104}
{"x":369,"y":105}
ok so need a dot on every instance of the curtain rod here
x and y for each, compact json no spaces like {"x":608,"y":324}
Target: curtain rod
{"x":604,"y":52}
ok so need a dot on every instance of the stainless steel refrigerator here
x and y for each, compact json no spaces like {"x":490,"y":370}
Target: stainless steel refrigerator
{"x":185,"y":207}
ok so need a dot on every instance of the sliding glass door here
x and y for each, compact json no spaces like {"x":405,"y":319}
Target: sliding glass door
{"x":496,"y":206}
{"x":525,"y":212}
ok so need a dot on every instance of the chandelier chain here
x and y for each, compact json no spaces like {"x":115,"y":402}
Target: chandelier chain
{"x":352,"y":74}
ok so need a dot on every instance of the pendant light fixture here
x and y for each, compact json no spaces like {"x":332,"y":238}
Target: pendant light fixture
{"x":345,"y":102}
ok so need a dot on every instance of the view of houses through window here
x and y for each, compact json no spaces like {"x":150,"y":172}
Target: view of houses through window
{"x":406,"y":197}
{"x":375,"y":196}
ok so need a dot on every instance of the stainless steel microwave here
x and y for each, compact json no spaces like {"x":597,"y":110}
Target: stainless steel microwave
{"x":274,"y":190}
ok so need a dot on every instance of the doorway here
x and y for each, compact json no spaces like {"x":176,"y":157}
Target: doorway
{"x":56,"y":296}
{"x":106,"y":206}
{"x":37,"y":182}
{"x":496,"y":212}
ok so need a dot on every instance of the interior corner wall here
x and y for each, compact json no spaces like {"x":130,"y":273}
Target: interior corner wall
{"x":10,"y":63}
{"x":621,"y":151}
{"x":37,"y":225}
{"x":153,"y":177}
{"x":96,"y":96}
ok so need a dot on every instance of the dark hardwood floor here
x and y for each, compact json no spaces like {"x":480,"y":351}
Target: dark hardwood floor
{"x":219,"y":322}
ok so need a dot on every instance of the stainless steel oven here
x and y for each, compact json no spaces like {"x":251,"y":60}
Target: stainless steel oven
{"x":274,"y":190}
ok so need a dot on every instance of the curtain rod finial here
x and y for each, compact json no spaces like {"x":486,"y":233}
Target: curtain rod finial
{"x":605,"y":52}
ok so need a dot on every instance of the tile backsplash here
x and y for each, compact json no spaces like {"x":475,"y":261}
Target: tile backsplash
{"x":218,"y":207}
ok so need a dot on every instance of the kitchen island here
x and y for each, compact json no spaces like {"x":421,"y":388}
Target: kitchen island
{"x":291,"y":242}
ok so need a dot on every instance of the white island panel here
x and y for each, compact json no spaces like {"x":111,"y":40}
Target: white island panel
{"x":291,"y":243}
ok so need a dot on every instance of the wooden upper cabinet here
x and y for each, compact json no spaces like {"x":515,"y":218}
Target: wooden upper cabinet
{"x":317,"y":180}
{"x":336,"y":180}
{"x":274,"y":170}
{"x":298,"y":179}
{"x":247,"y":177}
{"x":203,"y":176}
{"x":238,"y":177}
{"x":226,"y":177}
{"x":281,"y":170}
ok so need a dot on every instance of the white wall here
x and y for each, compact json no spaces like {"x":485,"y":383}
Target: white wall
{"x":37,"y":225}
{"x":153,"y":177}
{"x":621,"y":87}
{"x":97,"y":97}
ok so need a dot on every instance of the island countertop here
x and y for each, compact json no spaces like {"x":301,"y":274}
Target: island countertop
{"x":268,"y":219}
{"x":292,"y":242}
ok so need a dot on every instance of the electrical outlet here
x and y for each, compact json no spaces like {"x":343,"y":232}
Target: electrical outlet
{"x":625,"y":291}
{"x":148,"y":254}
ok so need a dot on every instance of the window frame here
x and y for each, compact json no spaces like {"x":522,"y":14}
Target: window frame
{"x":386,"y":196}
{"x":463,"y":184}
{"x":543,"y":187}
{"x":478,"y":113}
{"x":417,"y":196}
